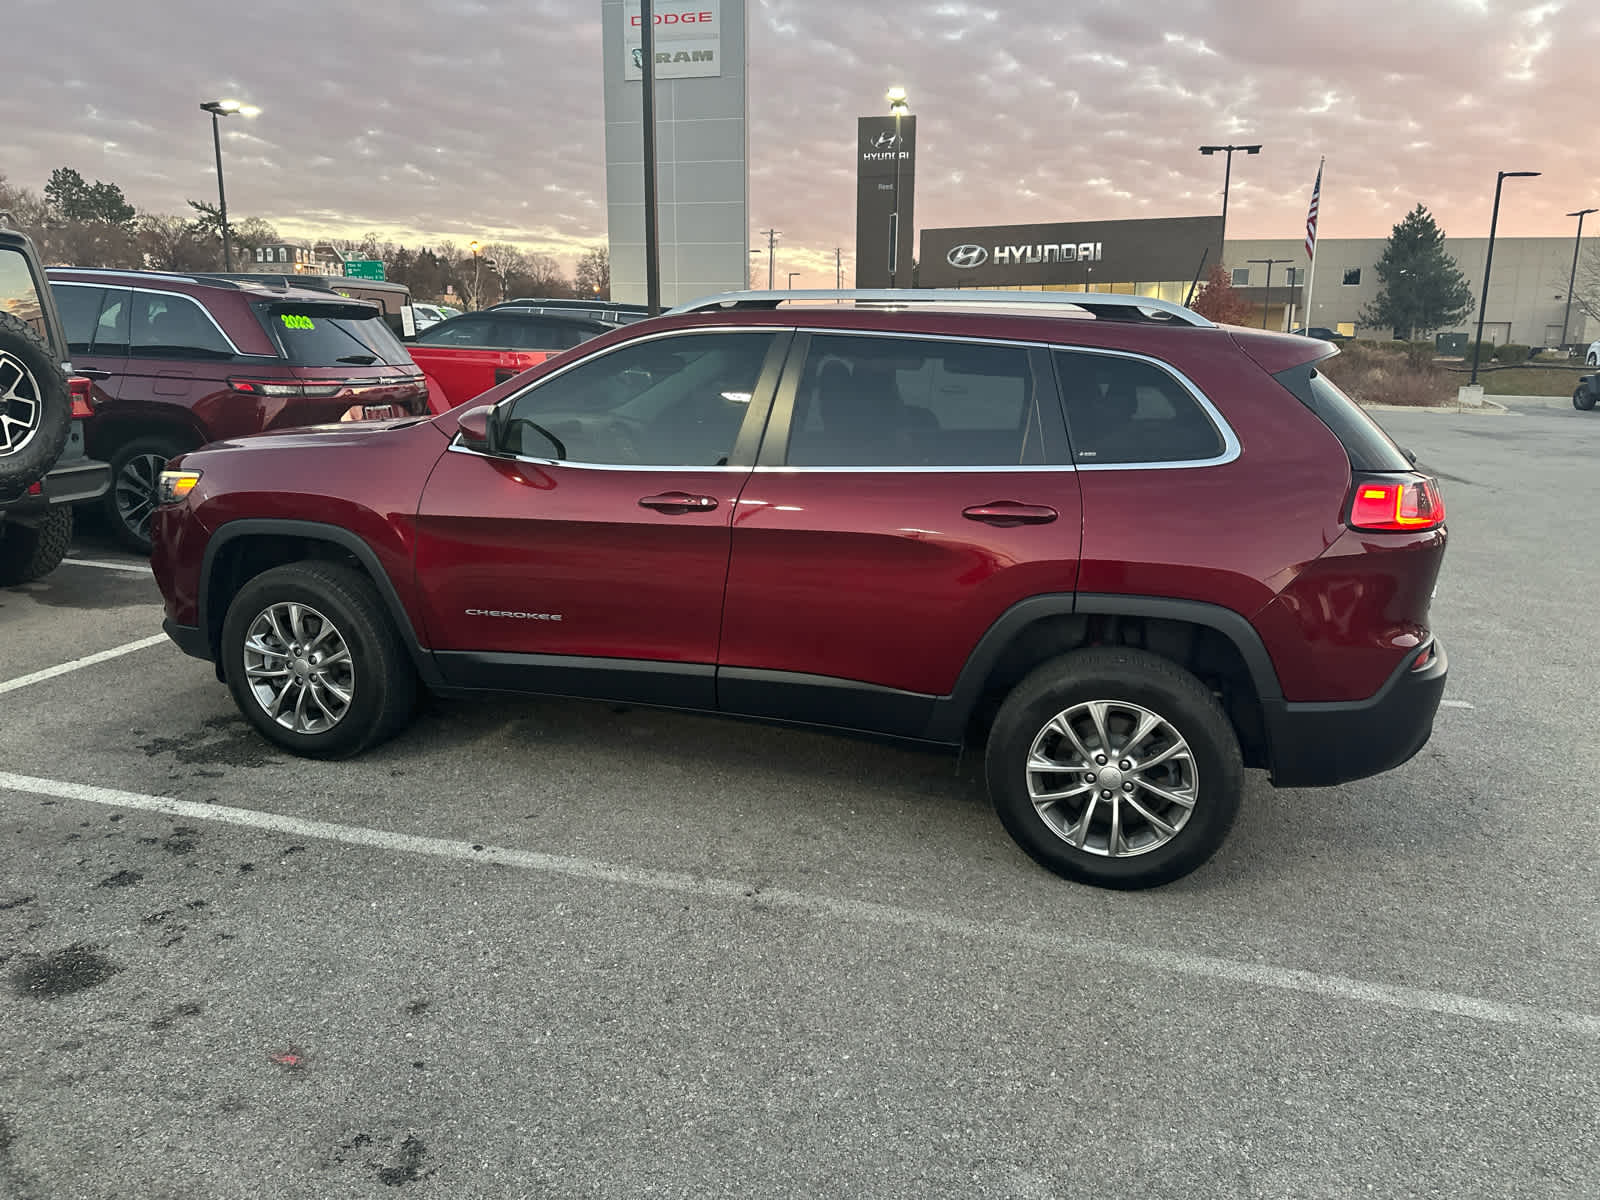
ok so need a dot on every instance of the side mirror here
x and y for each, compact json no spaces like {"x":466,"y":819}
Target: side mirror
{"x":472,"y":426}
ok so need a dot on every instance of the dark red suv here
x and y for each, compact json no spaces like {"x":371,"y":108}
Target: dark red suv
{"x":1131,"y":551}
{"x":181,"y":360}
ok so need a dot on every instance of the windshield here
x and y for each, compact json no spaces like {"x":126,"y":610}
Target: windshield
{"x":311,"y":339}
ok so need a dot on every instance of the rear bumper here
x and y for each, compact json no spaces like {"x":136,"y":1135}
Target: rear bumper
{"x":1317,"y":745}
{"x":189,"y":638}
{"x":69,"y":483}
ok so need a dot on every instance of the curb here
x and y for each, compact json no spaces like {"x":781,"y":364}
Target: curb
{"x":1489,"y":408}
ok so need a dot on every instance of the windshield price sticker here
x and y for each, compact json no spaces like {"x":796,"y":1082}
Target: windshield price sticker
{"x":296,"y":321}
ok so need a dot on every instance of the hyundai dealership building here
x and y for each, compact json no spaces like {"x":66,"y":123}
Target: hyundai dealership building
{"x":1162,"y":258}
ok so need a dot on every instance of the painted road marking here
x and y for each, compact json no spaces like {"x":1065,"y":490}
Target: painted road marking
{"x":1197,"y":966}
{"x":77,"y":664}
{"x":1455,"y":704}
{"x":135,"y":568}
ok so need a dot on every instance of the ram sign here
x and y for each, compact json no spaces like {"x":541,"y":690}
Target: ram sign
{"x":688,"y":39}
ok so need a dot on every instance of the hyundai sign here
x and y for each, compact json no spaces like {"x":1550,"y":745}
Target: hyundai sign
{"x":1162,"y":250}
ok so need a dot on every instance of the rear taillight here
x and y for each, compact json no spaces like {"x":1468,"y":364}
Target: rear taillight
{"x":82,"y":392}
{"x":274,"y":387}
{"x":1406,"y":505}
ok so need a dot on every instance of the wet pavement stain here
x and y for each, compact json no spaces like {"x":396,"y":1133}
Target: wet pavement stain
{"x":167,"y":1019}
{"x":121,"y":590}
{"x":416,"y":1008}
{"x":409,"y":1168}
{"x":16,"y":902}
{"x":63,"y":972}
{"x":226,"y":741}
{"x":120,"y":879}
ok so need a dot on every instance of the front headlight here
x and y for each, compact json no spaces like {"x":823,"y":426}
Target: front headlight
{"x":174,"y":486}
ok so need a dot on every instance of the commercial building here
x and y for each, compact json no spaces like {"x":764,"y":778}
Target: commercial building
{"x":702,"y":178}
{"x":1162,"y":257}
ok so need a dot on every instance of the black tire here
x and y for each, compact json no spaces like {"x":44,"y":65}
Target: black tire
{"x":382,"y":682}
{"x":1126,"y":677}
{"x":35,"y":407}
{"x":1583,"y":398}
{"x":131,"y":500}
{"x":29,"y":552}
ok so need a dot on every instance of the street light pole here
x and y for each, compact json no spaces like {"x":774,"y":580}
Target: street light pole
{"x":1227,"y":179}
{"x":217,"y":109}
{"x":899,"y":106}
{"x":1572,"y":279}
{"x":792,"y":274}
{"x":1270,"y":263}
{"x":1488,"y":260}
{"x":772,"y":243}
{"x":477,"y":276}
{"x":652,"y":231}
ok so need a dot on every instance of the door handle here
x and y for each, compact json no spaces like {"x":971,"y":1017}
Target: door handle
{"x":678,"y":503}
{"x":501,"y":374}
{"x":1009,"y":512}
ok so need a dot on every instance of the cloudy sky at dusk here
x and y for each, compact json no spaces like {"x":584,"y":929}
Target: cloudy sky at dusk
{"x":429,"y":119}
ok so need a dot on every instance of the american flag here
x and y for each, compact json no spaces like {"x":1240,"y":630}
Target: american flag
{"x":1311,"y":216}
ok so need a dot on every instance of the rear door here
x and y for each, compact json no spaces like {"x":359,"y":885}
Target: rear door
{"x":177,"y":357}
{"x":96,"y":323}
{"x":909,"y":492}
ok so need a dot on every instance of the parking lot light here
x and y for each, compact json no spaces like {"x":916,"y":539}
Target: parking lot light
{"x":1488,"y":260}
{"x":899,"y":107}
{"x":1572,"y":279}
{"x":225,"y":108}
{"x":1227,"y":178}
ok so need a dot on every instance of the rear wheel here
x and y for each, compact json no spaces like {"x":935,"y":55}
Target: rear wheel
{"x":314,"y":662}
{"x":29,"y":552}
{"x":1114,"y":767}
{"x":135,"y":470}
{"x":1583,"y":398}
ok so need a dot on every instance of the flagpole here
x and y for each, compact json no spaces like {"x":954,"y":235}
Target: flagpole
{"x":1311,"y":272}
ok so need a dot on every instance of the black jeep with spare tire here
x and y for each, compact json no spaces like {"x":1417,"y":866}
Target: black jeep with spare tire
{"x":43,"y":468}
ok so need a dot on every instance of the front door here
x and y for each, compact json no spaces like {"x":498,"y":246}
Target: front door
{"x":588,"y":553}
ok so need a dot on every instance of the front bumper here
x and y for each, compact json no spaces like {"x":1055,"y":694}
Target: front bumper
{"x":189,"y":638}
{"x":1317,"y":745}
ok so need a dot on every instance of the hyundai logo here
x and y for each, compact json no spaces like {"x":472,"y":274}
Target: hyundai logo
{"x":885,"y":140}
{"x":966,"y":257}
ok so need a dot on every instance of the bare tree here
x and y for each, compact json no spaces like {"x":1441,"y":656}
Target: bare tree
{"x":169,"y":243}
{"x":1586,"y":289}
{"x":594,"y":274}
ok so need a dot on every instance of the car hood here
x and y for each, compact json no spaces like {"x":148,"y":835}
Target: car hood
{"x":310,"y":437}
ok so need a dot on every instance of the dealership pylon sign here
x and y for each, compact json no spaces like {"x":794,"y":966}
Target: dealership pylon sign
{"x":688,"y":39}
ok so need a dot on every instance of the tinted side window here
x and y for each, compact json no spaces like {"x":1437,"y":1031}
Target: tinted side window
{"x":1369,"y":448}
{"x":1123,"y":410}
{"x":19,"y":295}
{"x":111,"y":330}
{"x":674,"y":401}
{"x":462,"y":331}
{"x":79,"y":307}
{"x":891,"y":402}
{"x":536,"y":333}
{"x":164,"y":325}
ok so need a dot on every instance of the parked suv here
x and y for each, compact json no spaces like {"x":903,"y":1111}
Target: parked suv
{"x":181,"y":360}
{"x":43,"y":469}
{"x":465,"y":356}
{"x":1132,"y":554}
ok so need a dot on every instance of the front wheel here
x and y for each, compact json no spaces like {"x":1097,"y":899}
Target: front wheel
{"x":314,"y":662}
{"x":1114,"y":767}
{"x":1583,"y":398}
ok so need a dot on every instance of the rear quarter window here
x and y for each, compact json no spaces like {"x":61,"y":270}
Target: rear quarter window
{"x":1368,"y":447}
{"x":1125,"y":411}
{"x":19,"y":294}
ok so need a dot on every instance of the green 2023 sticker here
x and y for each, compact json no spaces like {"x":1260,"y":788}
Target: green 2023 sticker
{"x":296,"y":321}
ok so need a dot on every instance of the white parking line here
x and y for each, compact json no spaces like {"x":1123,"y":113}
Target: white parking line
{"x":1455,"y":704}
{"x":1198,"y":966}
{"x":77,"y":664}
{"x":135,"y":568}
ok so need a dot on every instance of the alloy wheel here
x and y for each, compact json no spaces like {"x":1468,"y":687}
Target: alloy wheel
{"x":297,"y":666}
{"x":20,"y":409}
{"x":1112,"y":778}
{"x":136,"y":492}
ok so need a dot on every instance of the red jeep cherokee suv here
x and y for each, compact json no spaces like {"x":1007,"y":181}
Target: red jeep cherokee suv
{"x":1133,"y":551}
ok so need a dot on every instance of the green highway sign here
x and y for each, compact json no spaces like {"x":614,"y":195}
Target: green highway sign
{"x":363,"y":268}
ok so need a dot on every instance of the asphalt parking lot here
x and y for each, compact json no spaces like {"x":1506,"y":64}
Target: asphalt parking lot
{"x":562,"y":950}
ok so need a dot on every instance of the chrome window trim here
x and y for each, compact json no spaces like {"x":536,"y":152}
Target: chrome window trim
{"x":1231,"y":448}
{"x":455,"y":447}
{"x":134,"y":287}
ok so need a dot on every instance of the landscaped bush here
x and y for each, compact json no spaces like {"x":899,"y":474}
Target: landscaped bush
{"x":1511,"y":353}
{"x":1485,"y":353}
{"x":1419,"y":355}
{"x":1370,"y":374}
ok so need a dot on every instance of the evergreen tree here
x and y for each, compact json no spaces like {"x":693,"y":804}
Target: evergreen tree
{"x":1423,"y":289}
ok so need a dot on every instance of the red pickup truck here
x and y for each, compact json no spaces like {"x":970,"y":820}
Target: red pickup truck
{"x":467,"y":355}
